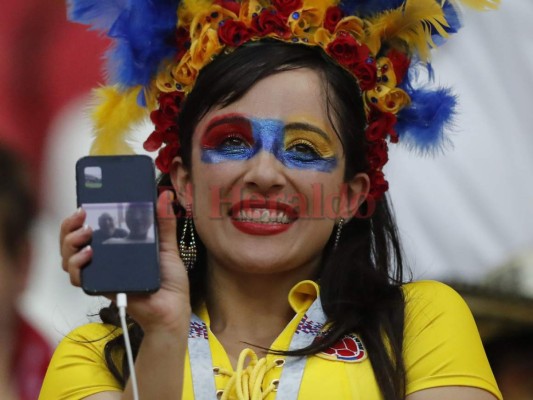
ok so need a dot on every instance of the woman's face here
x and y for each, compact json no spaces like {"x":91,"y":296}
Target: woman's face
{"x":267,"y":172}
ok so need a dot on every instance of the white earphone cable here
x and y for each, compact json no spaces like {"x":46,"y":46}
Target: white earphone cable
{"x":122,"y":303}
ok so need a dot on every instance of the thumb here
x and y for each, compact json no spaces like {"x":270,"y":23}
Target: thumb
{"x":167,"y":222}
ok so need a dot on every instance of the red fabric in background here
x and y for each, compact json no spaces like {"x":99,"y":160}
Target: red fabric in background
{"x":45,"y":62}
{"x":31,"y":357}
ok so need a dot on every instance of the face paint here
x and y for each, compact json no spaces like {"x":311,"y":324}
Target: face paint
{"x":296,"y":145}
{"x":227,"y":138}
{"x":307,"y":146}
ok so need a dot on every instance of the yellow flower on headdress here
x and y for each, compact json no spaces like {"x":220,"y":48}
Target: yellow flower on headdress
{"x":205,"y":47}
{"x":319,"y":8}
{"x":210,"y":17}
{"x":302,"y":22}
{"x":386,"y":72}
{"x":184,"y":73}
{"x":322,"y":37}
{"x":354,"y":26}
{"x":249,"y":8}
{"x":386,"y":99}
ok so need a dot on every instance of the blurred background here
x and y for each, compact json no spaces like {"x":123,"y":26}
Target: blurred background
{"x":465,"y":216}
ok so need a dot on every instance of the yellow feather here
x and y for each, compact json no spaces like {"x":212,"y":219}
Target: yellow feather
{"x":480,"y":5}
{"x":411,"y":23}
{"x":189,"y":8}
{"x":116,"y":111}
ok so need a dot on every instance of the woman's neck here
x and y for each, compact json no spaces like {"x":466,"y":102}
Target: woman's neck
{"x":250,"y":308}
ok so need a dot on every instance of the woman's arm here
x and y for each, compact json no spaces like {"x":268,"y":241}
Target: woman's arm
{"x":104,"y":396}
{"x":160,"y":364}
{"x":164,"y":317}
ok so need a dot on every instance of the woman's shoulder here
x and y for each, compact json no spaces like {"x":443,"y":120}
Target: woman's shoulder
{"x":433,"y":294}
{"x":442,"y":346}
{"x":78,"y":368}
{"x":426,"y":287}
{"x":432,"y":303}
{"x":92,"y":330}
{"x":92,"y":337}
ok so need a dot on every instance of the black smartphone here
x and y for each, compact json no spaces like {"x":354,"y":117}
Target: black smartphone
{"x":119,"y":196}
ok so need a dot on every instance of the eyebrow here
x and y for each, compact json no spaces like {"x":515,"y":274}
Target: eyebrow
{"x":225,"y":119}
{"x":302,"y":126}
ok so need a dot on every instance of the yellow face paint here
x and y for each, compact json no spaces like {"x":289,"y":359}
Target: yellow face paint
{"x":306,"y":137}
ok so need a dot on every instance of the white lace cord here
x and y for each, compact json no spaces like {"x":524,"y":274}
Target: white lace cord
{"x":122,"y":303}
{"x":246,"y":382}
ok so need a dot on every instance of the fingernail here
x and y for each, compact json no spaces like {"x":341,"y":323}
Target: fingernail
{"x":86,"y":249}
{"x":85,"y":227}
{"x":78,"y":211}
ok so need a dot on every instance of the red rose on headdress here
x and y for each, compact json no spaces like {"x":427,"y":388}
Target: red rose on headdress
{"x":377,"y":155}
{"x":161,"y":121}
{"x":378,"y":184}
{"x":154,"y":141}
{"x":183,"y":42}
{"x":366,"y":73}
{"x":166,"y":116}
{"x":166,"y":154}
{"x":348,"y":51}
{"x":233,"y":33}
{"x":380,"y":125}
{"x":286,"y":7}
{"x":233,"y":6}
{"x":269,"y":21}
{"x":400,"y":63}
{"x":170,"y":103}
{"x":333,"y":15}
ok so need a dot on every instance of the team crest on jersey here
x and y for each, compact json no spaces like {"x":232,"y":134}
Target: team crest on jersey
{"x":349,"y":349}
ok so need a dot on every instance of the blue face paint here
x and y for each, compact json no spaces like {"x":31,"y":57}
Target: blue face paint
{"x":233,"y":142}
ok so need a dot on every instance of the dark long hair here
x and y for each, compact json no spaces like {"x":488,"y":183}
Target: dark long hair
{"x":360,"y":280}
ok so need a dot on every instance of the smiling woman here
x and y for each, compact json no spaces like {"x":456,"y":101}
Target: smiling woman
{"x":274,"y":150}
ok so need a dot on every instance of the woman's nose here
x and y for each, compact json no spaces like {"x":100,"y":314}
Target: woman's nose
{"x":265,"y":173}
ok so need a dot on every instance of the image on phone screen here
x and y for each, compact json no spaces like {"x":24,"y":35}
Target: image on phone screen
{"x":121,"y":223}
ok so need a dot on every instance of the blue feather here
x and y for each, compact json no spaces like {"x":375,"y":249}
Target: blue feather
{"x":366,"y":8}
{"x":100,"y":14}
{"x":422,"y":126}
{"x":452,"y":17}
{"x":454,"y":21}
{"x":144,"y":37}
{"x":141,"y":99}
{"x":142,"y":30}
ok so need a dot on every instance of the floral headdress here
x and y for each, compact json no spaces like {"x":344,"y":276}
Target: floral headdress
{"x":160,"y":46}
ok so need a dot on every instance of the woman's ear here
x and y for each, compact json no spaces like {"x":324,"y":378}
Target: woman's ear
{"x":355,"y":193}
{"x":181,"y":181}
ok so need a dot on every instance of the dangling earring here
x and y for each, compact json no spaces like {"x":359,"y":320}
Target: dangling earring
{"x":188,"y":251}
{"x":338,"y":232}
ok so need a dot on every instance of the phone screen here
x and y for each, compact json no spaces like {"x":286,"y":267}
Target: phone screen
{"x":118,"y":194}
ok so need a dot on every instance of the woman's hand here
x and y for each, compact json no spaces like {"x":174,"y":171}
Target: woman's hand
{"x":75,"y":251}
{"x":164,"y":316}
{"x":164,"y":310}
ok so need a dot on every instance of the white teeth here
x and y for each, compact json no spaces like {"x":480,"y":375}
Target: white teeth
{"x":263,"y":215}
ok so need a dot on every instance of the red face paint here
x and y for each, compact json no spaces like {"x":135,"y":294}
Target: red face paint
{"x":226,"y":127}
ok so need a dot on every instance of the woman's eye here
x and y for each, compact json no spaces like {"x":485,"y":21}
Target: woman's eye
{"x":304,"y":149}
{"x":234,"y":141}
